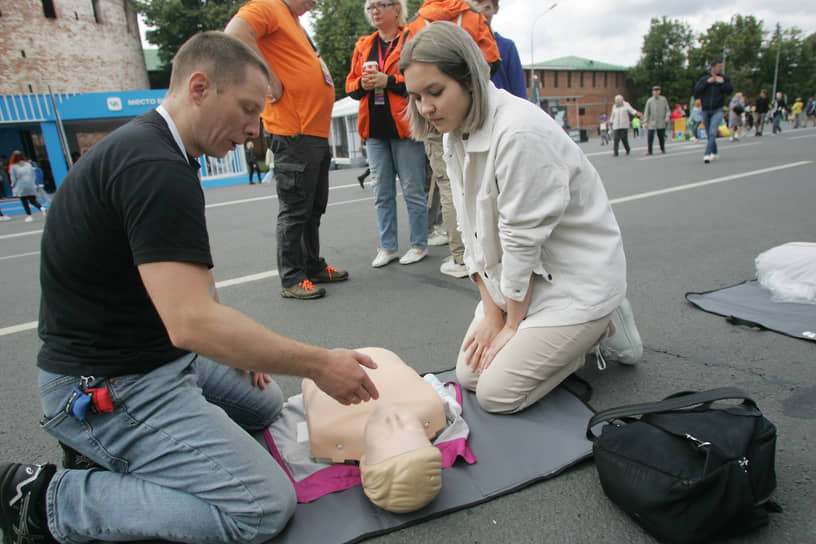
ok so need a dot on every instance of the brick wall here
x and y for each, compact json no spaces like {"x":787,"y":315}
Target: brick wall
{"x":596,"y":94}
{"x":72,"y":52}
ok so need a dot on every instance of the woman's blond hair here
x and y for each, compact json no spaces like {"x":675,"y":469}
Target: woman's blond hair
{"x":401,"y":18}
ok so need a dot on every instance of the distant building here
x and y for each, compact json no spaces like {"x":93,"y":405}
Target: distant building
{"x":575,"y":90}
{"x":75,"y":46}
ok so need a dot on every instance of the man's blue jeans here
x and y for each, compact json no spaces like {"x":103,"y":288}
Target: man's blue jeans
{"x":177,"y":463}
{"x":406,"y":158}
{"x":777,"y":122}
{"x":712,"y":119}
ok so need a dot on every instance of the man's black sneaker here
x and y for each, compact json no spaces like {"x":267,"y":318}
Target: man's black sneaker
{"x":22,"y":502}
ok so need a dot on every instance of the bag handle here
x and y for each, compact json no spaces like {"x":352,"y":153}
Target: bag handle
{"x":667,"y":405}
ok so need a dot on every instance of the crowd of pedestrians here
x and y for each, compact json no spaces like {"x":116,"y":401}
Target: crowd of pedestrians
{"x":717,"y":111}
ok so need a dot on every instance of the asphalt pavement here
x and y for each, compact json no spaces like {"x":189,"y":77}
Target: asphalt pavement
{"x":687,"y":226}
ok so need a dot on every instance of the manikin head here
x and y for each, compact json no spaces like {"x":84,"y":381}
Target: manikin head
{"x":401,"y":471}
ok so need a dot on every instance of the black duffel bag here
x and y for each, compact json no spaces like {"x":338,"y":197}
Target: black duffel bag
{"x":689,"y":469}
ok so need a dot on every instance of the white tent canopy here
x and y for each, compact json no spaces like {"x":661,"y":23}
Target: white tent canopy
{"x":346,"y":145}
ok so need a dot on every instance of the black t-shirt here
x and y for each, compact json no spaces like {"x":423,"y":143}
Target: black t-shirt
{"x":132,"y":199}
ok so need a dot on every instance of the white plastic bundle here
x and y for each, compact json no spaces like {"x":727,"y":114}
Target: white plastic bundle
{"x":789,"y":272}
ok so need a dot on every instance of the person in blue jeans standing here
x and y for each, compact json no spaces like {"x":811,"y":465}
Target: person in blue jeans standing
{"x":375,"y":80}
{"x":712,"y":89}
{"x":141,"y":367}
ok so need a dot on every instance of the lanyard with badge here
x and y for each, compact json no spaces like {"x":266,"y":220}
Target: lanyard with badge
{"x":379,"y":95}
{"x":326,"y":74}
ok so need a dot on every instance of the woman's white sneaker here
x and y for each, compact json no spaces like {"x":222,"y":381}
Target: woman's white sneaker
{"x":413,"y":255}
{"x":451,"y":268}
{"x":383,"y":258}
{"x":622,"y":342}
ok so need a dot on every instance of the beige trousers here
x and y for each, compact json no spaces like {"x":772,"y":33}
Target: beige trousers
{"x":530,"y":365}
{"x":433,"y":148}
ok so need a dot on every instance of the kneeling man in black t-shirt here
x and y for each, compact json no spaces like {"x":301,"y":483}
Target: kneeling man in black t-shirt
{"x":139,"y":368}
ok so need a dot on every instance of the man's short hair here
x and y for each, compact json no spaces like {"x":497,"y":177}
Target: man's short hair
{"x":222,"y":57}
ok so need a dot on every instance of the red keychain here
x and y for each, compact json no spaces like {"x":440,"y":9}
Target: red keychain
{"x":101,"y":399}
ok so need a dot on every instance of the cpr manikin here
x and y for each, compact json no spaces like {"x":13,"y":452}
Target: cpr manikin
{"x":401,"y":471}
{"x":336,"y":430}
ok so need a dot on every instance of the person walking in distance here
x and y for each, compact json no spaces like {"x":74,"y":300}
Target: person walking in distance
{"x":761,"y":108}
{"x":656,"y":115}
{"x":252,"y":161}
{"x":619,"y":117}
{"x":712,"y":90}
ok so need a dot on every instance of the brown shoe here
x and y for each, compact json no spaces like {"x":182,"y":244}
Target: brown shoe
{"x":329,"y":274}
{"x":304,"y":290}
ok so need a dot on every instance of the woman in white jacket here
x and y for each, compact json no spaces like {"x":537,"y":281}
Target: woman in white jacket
{"x":541,"y":241}
{"x":619,"y":117}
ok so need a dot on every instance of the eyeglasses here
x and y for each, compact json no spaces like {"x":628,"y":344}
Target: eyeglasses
{"x":380,"y":6}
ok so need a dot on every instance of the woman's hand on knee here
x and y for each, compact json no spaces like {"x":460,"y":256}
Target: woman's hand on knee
{"x":479,"y":342}
{"x":499,"y":341}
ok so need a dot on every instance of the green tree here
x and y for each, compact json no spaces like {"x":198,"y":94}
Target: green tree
{"x":413,"y":6}
{"x":176,"y":20}
{"x":737,"y":42}
{"x":795,"y":74}
{"x":664,"y":61}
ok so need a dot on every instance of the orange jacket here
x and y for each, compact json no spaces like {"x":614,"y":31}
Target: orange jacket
{"x":397,"y":103}
{"x":471,"y":21}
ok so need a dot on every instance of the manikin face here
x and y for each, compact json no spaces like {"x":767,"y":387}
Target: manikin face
{"x":229,"y":117}
{"x":487,"y":9}
{"x":439,"y":98}
{"x":391,"y":431}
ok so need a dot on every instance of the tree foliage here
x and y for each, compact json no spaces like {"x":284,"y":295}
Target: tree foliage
{"x":664,"y":60}
{"x":176,"y":20}
{"x":674,"y":58}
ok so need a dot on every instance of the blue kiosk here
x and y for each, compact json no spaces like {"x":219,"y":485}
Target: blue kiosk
{"x":44,"y":128}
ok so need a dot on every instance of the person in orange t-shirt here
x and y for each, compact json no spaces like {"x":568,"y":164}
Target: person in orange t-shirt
{"x":296,"y":120}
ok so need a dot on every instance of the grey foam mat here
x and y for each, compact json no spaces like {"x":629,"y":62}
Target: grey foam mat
{"x":513,"y":451}
{"x":749,"y":303}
